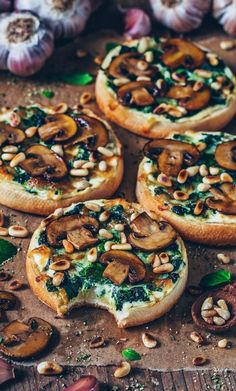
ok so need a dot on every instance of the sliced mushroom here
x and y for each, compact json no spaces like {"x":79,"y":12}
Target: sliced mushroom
{"x":178,"y":52}
{"x":7,"y":300}
{"x":225,"y":155}
{"x":188,"y":98}
{"x":117,"y":269}
{"x":139,"y":93}
{"x":224,"y":200}
{"x":78,"y":230}
{"x":153,"y":236}
{"x":10,"y":135}
{"x":59,"y":127}
{"x":91,"y":131}
{"x":171,"y":155}
{"x":127,"y":65}
{"x":24,"y":340}
{"x":40,"y":160}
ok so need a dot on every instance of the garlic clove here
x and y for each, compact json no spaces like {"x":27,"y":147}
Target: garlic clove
{"x":6,"y":371}
{"x":137,"y":23}
{"x":225,"y":12}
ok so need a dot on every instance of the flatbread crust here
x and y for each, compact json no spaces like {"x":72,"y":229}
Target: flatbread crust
{"x":16,"y":196}
{"x":192,"y":228}
{"x":134,"y":315}
{"x":152,"y":125}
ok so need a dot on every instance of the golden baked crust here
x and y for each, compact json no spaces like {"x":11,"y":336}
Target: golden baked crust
{"x":131,"y":314}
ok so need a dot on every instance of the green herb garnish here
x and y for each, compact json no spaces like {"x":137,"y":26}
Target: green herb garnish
{"x":216,"y":278}
{"x":48,"y":94}
{"x":76,"y":78}
{"x":7,"y":251}
{"x":130,"y":354}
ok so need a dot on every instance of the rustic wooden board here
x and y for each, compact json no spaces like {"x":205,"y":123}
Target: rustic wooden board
{"x":176,"y":350}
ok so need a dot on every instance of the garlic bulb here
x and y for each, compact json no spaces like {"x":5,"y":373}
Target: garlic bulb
{"x":67,"y":18}
{"x":180,"y":15}
{"x":25,"y":43}
{"x":5,"y":5}
{"x":225,"y":12}
{"x":6,"y":371}
{"x":137,"y":23}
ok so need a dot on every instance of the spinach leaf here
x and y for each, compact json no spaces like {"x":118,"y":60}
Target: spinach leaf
{"x":76,"y":78}
{"x":216,"y":278}
{"x":130,"y":354}
{"x":7,"y":251}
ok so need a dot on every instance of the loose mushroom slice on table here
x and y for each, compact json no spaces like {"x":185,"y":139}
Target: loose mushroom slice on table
{"x":225,"y":155}
{"x":77,"y":229}
{"x":24,"y":340}
{"x":10,"y":135}
{"x":178,"y":52}
{"x":171,"y":155}
{"x":122,"y":264}
{"x":139,"y":93}
{"x":59,"y":127}
{"x":224,"y":200}
{"x":41,"y":161}
{"x":127,"y":64}
{"x":150,"y":235}
{"x":188,"y":98}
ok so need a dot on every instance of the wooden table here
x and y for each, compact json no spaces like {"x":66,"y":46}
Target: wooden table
{"x":14,"y":91}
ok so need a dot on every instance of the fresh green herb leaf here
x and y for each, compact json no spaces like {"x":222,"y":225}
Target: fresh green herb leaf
{"x":48,"y":94}
{"x":130,"y":354}
{"x":76,"y":78}
{"x":7,"y":250}
{"x":110,"y":46}
{"x":216,"y":278}
{"x":1,"y":339}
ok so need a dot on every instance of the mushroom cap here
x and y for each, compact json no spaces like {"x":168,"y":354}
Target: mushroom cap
{"x":10,"y":134}
{"x":139,"y":93}
{"x":224,"y":200}
{"x":180,"y":52}
{"x":225,"y":155}
{"x":59,"y":127}
{"x":126,"y":64}
{"x":188,"y":98}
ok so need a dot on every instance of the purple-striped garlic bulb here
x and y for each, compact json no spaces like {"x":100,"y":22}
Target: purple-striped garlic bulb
{"x":6,"y":5}
{"x":67,"y":18}
{"x":137,"y":23}
{"x":180,"y":15}
{"x":25,"y":43}
{"x":225,"y":12}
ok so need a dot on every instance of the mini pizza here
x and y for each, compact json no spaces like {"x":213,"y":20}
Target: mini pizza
{"x":52,"y":157}
{"x":109,"y":254}
{"x":153,"y":87}
{"x":190,"y":180}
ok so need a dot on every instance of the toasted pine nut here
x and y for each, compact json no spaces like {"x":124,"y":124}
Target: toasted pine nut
{"x":92,"y":254}
{"x":58,"y":149}
{"x":79,"y":163}
{"x":104,"y":216}
{"x":143,"y":45}
{"x":223,"y":258}
{"x":1,"y":218}
{"x":227,"y":45}
{"x":123,"y":369}
{"x":213,"y":60}
{"x":216,"y":86}
{"x":193,"y":170}
{"x":223,"y":343}
{"x":61,"y":108}
{"x":97,"y":342}
{"x":164,"y":257}
{"x":142,"y":65}
{"x":85,"y":98}
{"x":149,"y":340}
{"x":69,"y":248}
{"x":57,"y":278}
{"x":105,"y":234}
{"x":197,"y":87}
{"x":180,"y":195}
{"x":207,"y":304}
{"x":93,"y":206}
{"x":198,"y":208}
{"x":164,"y":180}
{"x":203,"y":73}
{"x":211,"y":179}
{"x":165,"y":268}
{"x":225,"y":177}
{"x":49,"y":368}
{"x":121,"y":81}
{"x":15,"y":285}
{"x":197,"y":361}
{"x":218,"y":321}
{"x":182,"y":176}
{"x":30,"y":132}
{"x":143,"y":78}
{"x":160,"y":83}
{"x":123,"y":238}
{"x":203,"y":170}
{"x":105,"y":151}
{"x":60,"y":265}
{"x":102,"y":165}
{"x":79,"y":172}
{"x":222,"y":304}
{"x":18,"y":231}
{"x":3,"y":231}
{"x":203,"y":187}
{"x":107,"y":245}
{"x":80,"y":184}
{"x":149,"y":56}
{"x":156,"y":261}
{"x":208,"y":313}
{"x":201,"y":146}
{"x":7,"y":156}
{"x":196,"y":337}
{"x":119,"y":227}
{"x":20,"y":157}
{"x":10,"y":149}
{"x":88,"y":165}
{"x":225,"y":314}
{"x":214,"y":170}
{"x":125,"y":246}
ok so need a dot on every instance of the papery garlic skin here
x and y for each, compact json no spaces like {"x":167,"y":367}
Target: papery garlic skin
{"x":137,"y":23}
{"x":6,"y":371}
{"x":6,"y":5}
{"x":25,"y":43}
{"x":67,"y":18}
{"x":225,"y":12}
{"x":180,"y":15}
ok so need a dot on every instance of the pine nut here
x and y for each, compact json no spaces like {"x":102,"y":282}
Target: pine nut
{"x":208,"y":320}
{"x":1,"y":218}
{"x":197,"y":87}
{"x":198,"y":361}
{"x":216,"y":86}
{"x":49,"y":368}
{"x":203,"y":187}
{"x":223,"y":258}
{"x":182,"y":176}
{"x":227,"y":45}
{"x":88,"y":165}
{"x":105,"y":234}
{"x":211,"y":179}
{"x":79,"y":172}
{"x":97,"y":342}
{"x":102,"y":165}
{"x":156,"y":261}
{"x":164,"y":257}
{"x":192,"y":171}
{"x":143,"y":45}
{"x":85,"y":98}
{"x":57,"y":278}
{"x":61,"y":108}
{"x":203,"y":73}
{"x":201,"y":146}
{"x":79,"y":163}
{"x":203,"y":170}
{"x":208,"y":313}
{"x":160,"y":83}
{"x":123,"y":238}
{"x":218,"y":321}
{"x":225,"y":177}
{"x":198,"y":209}
{"x":58,"y":149}
{"x":214,"y":170}
{"x":125,"y":246}
{"x":180,"y":195}
{"x":165,"y":268}
{"x":98,"y":60}
{"x":142,"y":65}
{"x":149,"y":340}
{"x":123,"y":369}
{"x":92,"y":254}
{"x":107,"y":245}
{"x":119,"y":227}
{"x":225,"y":314}
{"x":121,"y":81}
{"x":164,"y":180}
{"x":81,"y":184}
{"x":104,"y":216}
{"x":30,"y":132}
{"x":143,"y":78}
{"x":10,"y":149}
{"x":105,"y":151}
{"x":14,"y":119}
{"x":196,"y":337}
{"x":60,"y":265}
{"x":7,"y":156}
{"x":149,"y":57}
{"x":213,"y":60}
{"x":207,"y":304}
{"x":18,"y":231}
{"x":133,"y":216}
{"x":93,"y":206}
{"x":223,"y":343}
{"x":222,"y":304}
{"x":69,"y":248}
{"x":20,"y":157}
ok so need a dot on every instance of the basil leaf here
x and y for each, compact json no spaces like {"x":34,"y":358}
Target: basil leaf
{"x":216,"y":278}
{"x":77,"y":79}
{"x":7,"y":250}
{"x":48,"y":94}
{"x":110,"y":46}
{"x":130,"y":354}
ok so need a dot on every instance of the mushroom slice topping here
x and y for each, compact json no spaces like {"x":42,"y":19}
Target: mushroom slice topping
{"x":188,"y":98}
{"x":10,"y":135}
{"x":7,"y":300}
{"x":139,"y":93}
{"x":59,"y":127}
{"x":91,"y":131}
{"x":153,"y":235}
{"x":178,"y":52}
{"x":122,"y":264}
{"x":126,"y":65}
{"x":23,"y":340}
{"x":78,"y":229}
{"x":40,"y":160}
{"x":171,"y":155}
{"x":224,"y":200}
{"x":225,"y":155}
